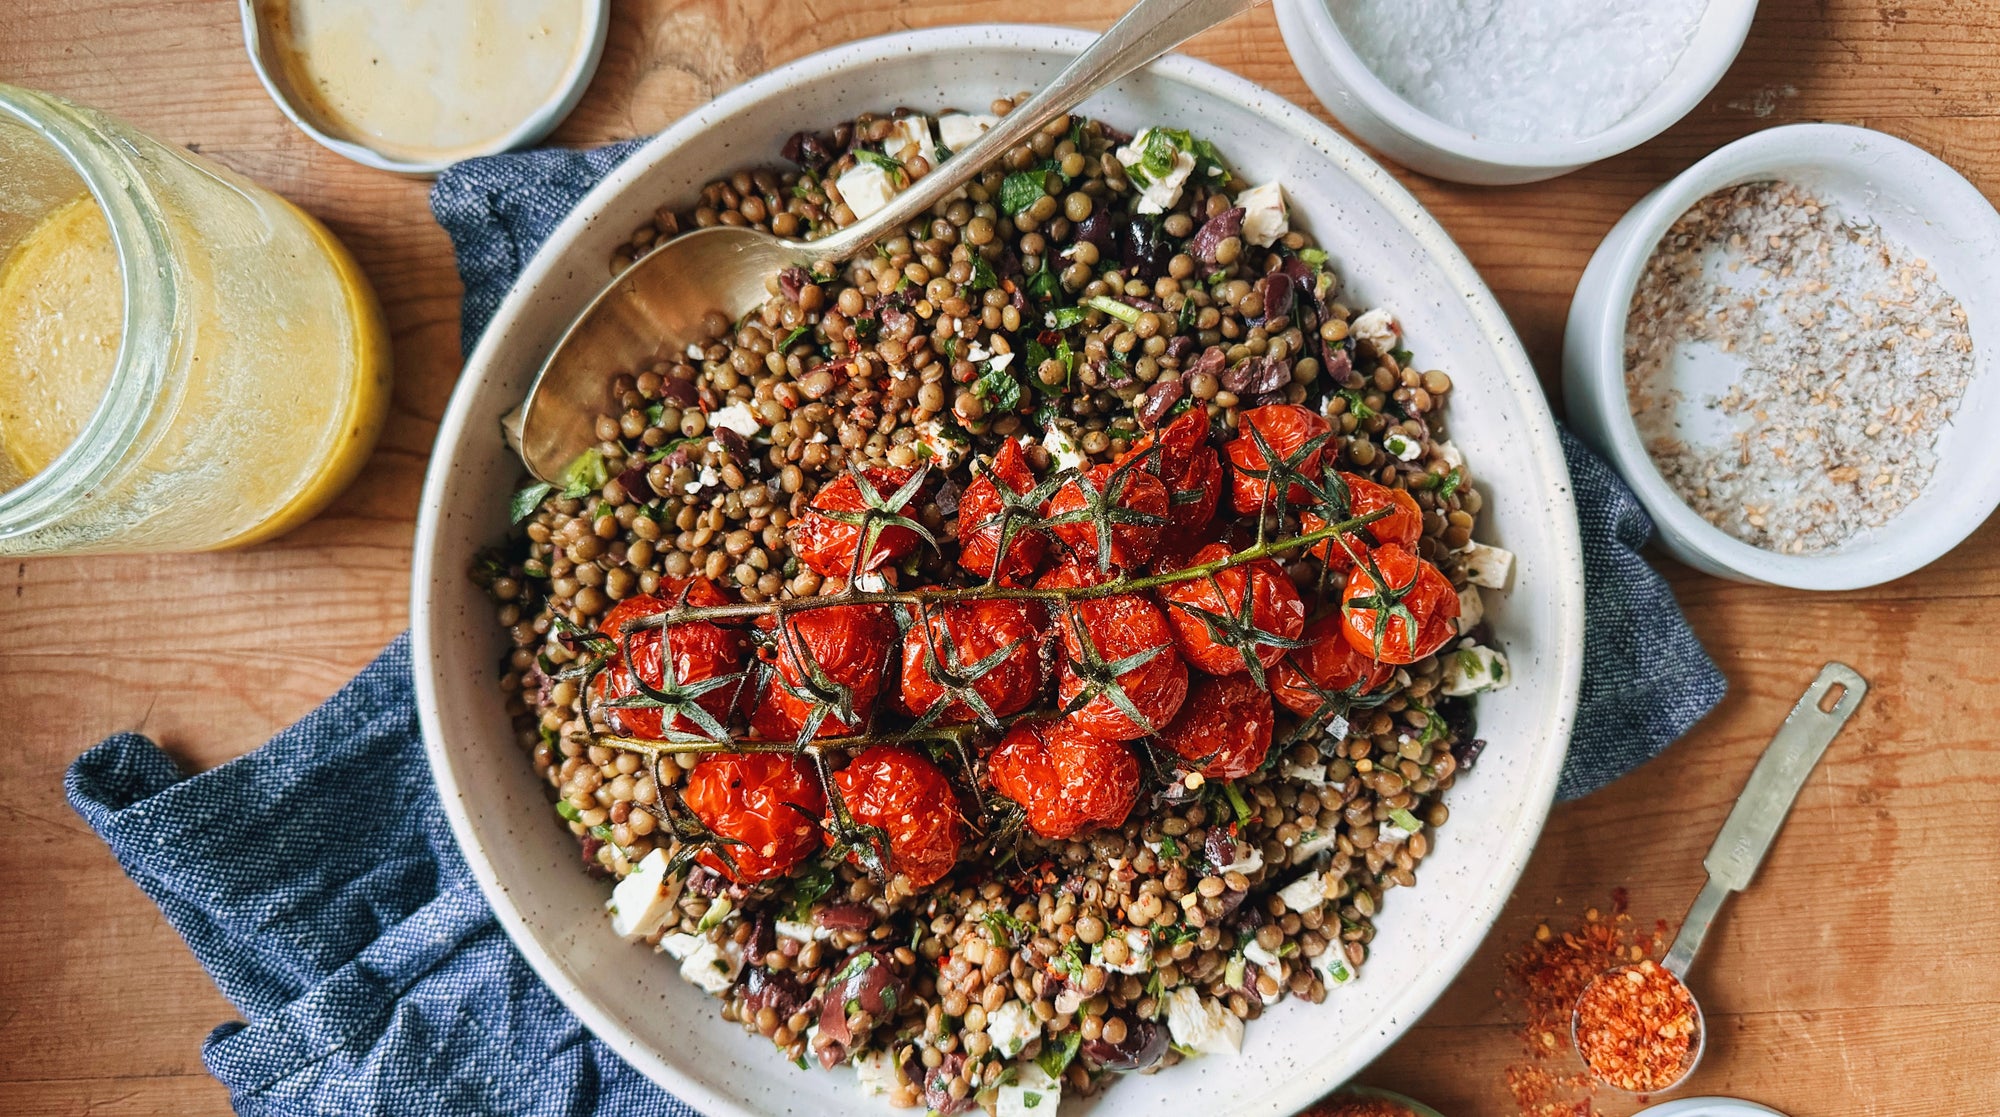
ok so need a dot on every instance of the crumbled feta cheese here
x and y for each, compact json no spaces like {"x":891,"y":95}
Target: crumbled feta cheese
{"x":1390,"y":832}
{"x":1449,"y":454}
{"x":1203,"y":1025}
{"x":1032,"y":1094}
{"x":708,"y":476}
{"x":1403,"y":446}
{"x":678,"y":946}
{"x":876,"y":1073}
{"x":644,"y":898}
{"x":1487,"y":566}
{"x":865,"y":188}
{"x":1310,"y":843}
{"x":946,"y":451}
{"x":910,"y":137}
{"x":1251,"y":861}
{"x":957,"y":130}
{"x":1159,"y":194}
{"x":1010,"y":1028}
{"x":1270,"y":963}
{"x":1378,"y":328}
{"x":795,"y":931}
{"x":977,"y":353}
{"x":1314,"y":774}
{"x":1304,"y":894}
{"x":1332,"y":965}
{"x":696,"y":352}
{"x":1062,"y":448}
{"x":713,"y":967}
{"x":999,"y":361}
{"x":1264,"y":219}
{"x":736,"y":417}
{"x":1139,"y":952}
{"x":1471,"y":608}
{"x":1475,"y":668}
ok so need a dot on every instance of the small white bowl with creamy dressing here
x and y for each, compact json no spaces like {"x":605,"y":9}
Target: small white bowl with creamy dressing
{"x":1357,"y":96}
{"x":413,"y":86}
{"x":1916,"y":201}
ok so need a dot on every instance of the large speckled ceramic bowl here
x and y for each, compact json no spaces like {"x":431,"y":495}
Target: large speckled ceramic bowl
{"x":1390,"y":252}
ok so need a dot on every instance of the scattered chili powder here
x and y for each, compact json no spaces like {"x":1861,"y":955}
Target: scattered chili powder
{"x":1636,"y":1029}
{"x":1546,"y":976}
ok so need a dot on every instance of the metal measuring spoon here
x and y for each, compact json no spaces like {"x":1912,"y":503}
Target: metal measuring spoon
{"x":1747,"y":835}
{"x":657,"y":304}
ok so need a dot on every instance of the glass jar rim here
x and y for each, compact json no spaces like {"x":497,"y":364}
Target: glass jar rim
{"x":144,"y":248}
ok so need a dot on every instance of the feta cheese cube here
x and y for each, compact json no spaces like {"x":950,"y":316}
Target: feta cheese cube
{"x":644,"y":898}
{"x":957,"y":130}
{"x":1139,"y":952}
{"x":1268,"y":961}
{"x":1310,"y":843}
{"x":1487,"y":566}
{"x":735,"y":417}
{"x":795,"y":931}
{"x":1251,"y":861}
{"x":1159,"y":194}
{"x":713,"y":968}
{"x":910,"y":137}
{"x":1304,"y":894}
{"x":1475,"y":668}
{"x":1449,"y":454}
{"x":875,"y":1072}
{"x":1471,"y":608}
{"x":1203,"y":1025}
{"x":679,"y":946}
{"x":1264,"y":219}
{"x":1332,"y":965}
{"x":865,"y":188}
{"x":945,"y":450}
{"x":1404,"y":447}
{"x":1062,"y":448}
{"x":1378,"y":328}
{"x":1010,"y":1027}
{"x":999,"y":361}
{"x":1032,"y":1094}
{"x":1314,"y":774}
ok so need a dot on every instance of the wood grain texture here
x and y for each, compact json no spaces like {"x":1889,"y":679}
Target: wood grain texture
{"x":1858,"y":978}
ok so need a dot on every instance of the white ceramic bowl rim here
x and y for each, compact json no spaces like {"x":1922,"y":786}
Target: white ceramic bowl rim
{"x":1888,"y":554}
{"x":1536,"y":442}
{"x":1708,"y":56}
{"x":568,"y":92}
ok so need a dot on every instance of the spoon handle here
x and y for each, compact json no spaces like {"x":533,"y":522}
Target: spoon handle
{"x":1148,"y":30}
{"x":1766,"y":799}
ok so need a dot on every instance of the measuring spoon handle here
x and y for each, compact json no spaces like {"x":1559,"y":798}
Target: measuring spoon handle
{"x":1766,"y":799}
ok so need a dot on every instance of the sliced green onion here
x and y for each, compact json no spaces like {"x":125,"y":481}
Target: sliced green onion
{"x":1124,"y":312}
{"x":718,"y":910}
{"x":1405,"y":820}
{"x":568,"y":810}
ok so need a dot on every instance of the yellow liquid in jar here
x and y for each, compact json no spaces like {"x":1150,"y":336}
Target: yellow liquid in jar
{"x":62,"y":308}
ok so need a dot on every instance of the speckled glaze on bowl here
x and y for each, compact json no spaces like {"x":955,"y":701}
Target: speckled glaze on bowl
{"x":1390,"y":252}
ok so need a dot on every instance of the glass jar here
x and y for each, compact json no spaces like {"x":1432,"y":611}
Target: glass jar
{"x":187,"y":361}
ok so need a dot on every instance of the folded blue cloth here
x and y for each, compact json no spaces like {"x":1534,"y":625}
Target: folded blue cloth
{"x":317,"y":881}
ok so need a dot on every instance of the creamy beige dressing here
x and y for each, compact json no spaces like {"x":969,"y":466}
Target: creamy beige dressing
{"x":426,"y":79}
{"x":62,"y":308}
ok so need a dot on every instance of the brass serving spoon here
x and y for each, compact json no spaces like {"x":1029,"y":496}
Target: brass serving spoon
{"x":657,"y":305}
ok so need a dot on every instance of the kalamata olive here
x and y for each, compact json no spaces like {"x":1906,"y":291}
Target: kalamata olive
{"x":1220,"y":848}
{"x":791,"y":281}
{"x":1155,"y":402}
{"x":1279,"y":292}
{"x":866,"y":983}
{"x":1214,"y":231}
{"x":1145,"y":1043}
{"x":810,"y":150}
{"x":844,"y":917}
{"x":1096,"y":229}
{"x":680,"y":393}
{"x":1254,"y":376}
{"x":1144,"y":249}
{"x":1180,"y":347}
{"x":937,"y":1086}
{"x":634,"y":482}
{"x":780,"y":992}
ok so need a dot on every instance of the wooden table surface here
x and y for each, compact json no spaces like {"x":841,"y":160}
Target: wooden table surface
{"x":1860,"y":976}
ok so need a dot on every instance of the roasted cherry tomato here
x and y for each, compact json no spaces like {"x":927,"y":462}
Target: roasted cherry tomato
{"x":1403,"y":526}
{"x":824,"y":538}
{"x":1224,"y":728}
{"x":701,"y":651}
{"x":1189,"y":468}
{"x":1194,"y":605}
{"x":1286,"y":428}
{"x":1421,"y":607}
{"x":768,"y":804}
{"x":1118,"y":628}
{"x":948,"y":652}
{"x":1067,"y":781}
{"x":981,"y":518}
{"x":1329,"y":662}
{"x":897,"y":789}
{"x":850,"y":646}
{"x":1135,"y":503}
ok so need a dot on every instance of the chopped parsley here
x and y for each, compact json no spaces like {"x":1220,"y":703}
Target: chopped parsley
{"x":585,"y":474}
{"x":1443,"y":484}
{"x":1022,"y":189}
{"x":526,"y":501}
{"x":1355,"y":405}
{"x":1005,"y":929}
{"x":997,"y":387}
{"x":1063,"y":317}
{"x":1058,"y":1053}
{"x":877,"y":159}
{"x":791,"y":339}
{"x":983,"y":278}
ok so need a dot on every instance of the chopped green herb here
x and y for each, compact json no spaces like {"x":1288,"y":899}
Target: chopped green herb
{"x":1058,"y":1053}
{"x":1289,"y":948}
{"x":878,"y":159}
{"x":568,"y":810}
{"x":1356,"y":406}
{"x":655,"y":412}
{"x":1124,"y":312}
{"x":526,"y":501}
{"x":1170,"y":848}
{"x":792,"y":338}
{"x":1314,"y":257}
{"x":1042,"y":285}
{"x":1237,"y":803}
{"x":585,"y":474}
{"x":811,"y":883}
{"x":1005,"y":929}
{"x":997,"y":387}
{"x":983,"y":278}
{"x":1022,"y":189}
{"x":718,"y":910}
{"x":1443,"y":484}
{"x":1063,"y":317}
{"x":1403,"y":356}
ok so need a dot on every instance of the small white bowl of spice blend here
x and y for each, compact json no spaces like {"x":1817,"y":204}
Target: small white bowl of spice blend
{"x":1509,"y":91}
{"x":1784,"y":351}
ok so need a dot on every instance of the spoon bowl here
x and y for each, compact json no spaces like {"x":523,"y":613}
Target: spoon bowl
{"x":1695,"y":1049}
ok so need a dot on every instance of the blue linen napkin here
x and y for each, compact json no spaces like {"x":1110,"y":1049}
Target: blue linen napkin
{"x":317,"y":881}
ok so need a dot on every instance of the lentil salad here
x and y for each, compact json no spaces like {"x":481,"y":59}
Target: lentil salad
{"x":1001,"y":444}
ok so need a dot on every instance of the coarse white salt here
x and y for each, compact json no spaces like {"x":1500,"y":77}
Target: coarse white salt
{"x":1521,"y":71}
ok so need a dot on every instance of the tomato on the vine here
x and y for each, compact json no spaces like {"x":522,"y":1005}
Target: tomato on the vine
{"x":1199,"y":607}
{"x":1403,"y":526}
{"x":1131,"y":502}
{"x":699,"y":651}
{"x":1224,"y":729}
{"x":1067,"y":782}
{"x":950,"y":652}
{"x":1189,"y":468}
{"x":1098,"y":634}
{"x":848,"y":644}
{"x":982,"y":519}
{"x":1286,"y":428}
{"x":1417,"y":600}
{"x":897,"y":789}
{"x":827,"y":536}
{"x":1329,"y":663}
{"x":766,"y":806}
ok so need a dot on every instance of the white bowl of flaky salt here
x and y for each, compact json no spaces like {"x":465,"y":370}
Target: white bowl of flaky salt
{"x":1508,"y":91}
{"x":1787,"y":351}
